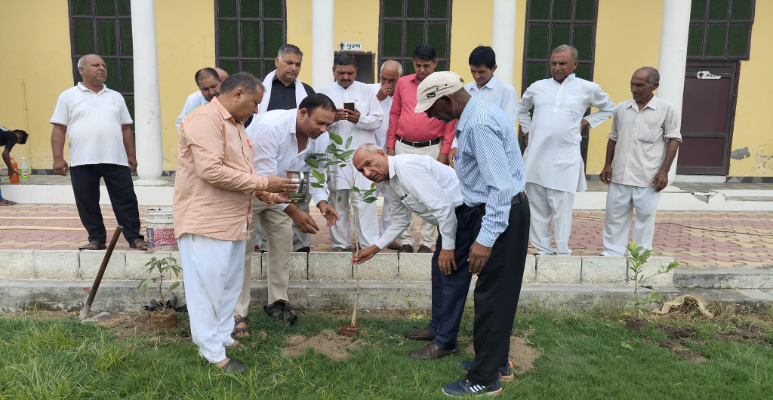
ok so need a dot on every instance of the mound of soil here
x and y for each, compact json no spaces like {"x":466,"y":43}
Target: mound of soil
{"x":678,"y":332}
{"x":747,"y":331}
{"x":326,"y":342}
{"x":677,"y":349}
{"x":521,"y":354}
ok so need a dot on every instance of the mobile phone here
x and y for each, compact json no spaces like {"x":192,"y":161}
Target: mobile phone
{"x":349,"y":105}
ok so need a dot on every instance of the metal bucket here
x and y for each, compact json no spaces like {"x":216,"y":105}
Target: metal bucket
{"x":160,"y":230}
{"x":302,"y":180}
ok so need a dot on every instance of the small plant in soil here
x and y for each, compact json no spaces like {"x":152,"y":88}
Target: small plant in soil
{"x":164,"y":316}
{"x":638,"y":257}
{"x":338,"y":153}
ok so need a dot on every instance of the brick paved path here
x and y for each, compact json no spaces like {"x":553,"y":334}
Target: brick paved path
{"x":694,"y":238}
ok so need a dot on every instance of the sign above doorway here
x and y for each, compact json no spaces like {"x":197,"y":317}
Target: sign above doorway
{"x":349,"y":46}
{"x":707,"y":75}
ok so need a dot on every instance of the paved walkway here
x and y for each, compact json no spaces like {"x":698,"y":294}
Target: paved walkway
{"x":694,"y":238}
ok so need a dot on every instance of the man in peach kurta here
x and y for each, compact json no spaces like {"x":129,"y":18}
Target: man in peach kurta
{"x":214,"y":187}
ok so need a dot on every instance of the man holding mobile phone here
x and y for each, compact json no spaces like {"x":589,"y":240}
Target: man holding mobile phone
{"x":358,"y":117}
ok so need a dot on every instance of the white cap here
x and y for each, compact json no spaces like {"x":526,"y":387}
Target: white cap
{"x":435,"y":86}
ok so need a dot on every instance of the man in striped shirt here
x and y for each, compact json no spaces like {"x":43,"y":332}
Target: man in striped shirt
{"x":492,"y":179}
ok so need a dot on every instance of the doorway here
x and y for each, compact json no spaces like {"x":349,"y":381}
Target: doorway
{"x":365,"y":66}
{"x":708,"y":113}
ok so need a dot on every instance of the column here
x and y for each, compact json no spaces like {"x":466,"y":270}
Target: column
{"x":147,"y":99}
{"x":322,"y":44}
{"x":503,"y":38}
{"x":673,"y":57}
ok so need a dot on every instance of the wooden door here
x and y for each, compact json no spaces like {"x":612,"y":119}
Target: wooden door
{"x":708,"y":111}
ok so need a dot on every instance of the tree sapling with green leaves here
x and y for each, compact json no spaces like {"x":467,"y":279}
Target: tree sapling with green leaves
{"x":338,"y":153}
{"x":638,"y":257}
{"x":158,"y":268}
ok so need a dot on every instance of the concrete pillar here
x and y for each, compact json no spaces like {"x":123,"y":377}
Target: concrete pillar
{"x":322,"y":44}
{"x":673,"y":57}
{"x":503,"y":38}
{"x":147,"y":98}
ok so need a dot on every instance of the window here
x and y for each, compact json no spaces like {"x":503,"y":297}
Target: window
{"x":720,"y":29}
{"x":104,"y":27}
{"x":551,"y":23}
{"x":406,"y":24}
{"x":248,"y":34}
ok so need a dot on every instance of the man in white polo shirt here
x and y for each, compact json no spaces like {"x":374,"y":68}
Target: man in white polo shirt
{"x":98,"y":125}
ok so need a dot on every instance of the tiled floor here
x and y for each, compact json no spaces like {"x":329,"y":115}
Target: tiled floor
{"x":693,"y":237}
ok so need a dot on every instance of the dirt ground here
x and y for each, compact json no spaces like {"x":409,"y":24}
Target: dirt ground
{"x":521,"y":354}
{"x":326,"y":342}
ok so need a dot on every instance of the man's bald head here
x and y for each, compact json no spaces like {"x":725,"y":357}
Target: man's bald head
{"x":222,"y":74}
{"x":392,"y":66}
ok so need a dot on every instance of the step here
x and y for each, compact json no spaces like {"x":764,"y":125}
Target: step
{"x":724,"y":277}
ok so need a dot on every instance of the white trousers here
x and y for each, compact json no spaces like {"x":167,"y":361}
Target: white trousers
{"x":212,"y":271}
{"x":427,"y":231}
{"x":549,"y":205}
{"x":367,"y":223}
{"x":621,"y":201}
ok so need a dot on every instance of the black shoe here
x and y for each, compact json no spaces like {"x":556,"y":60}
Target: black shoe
{"x":303,"y":250}
{"x":424,"y":249}
{"x":282,"y":310}
{"x":233,"y":366}
{"x":406,"y":248}
{"x":431,"y":352}
{"x":421,"y":334}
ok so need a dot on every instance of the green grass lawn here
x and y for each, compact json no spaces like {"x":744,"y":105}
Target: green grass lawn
{"x":589,"y":355}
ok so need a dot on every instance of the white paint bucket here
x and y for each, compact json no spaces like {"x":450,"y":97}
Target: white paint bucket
{"x":160,"y":230}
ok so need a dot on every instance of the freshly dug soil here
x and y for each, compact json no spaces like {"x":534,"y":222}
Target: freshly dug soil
{"x":746,"y":332}
{"x":521,"y":354}
{"x":349,"y":331}
{"x":678,"y":332}
{"x":678,"y":350}
{"x":326,"y":342}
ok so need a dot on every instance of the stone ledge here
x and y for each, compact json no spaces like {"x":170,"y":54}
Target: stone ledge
{"x":122,"y":295}
{"x":602,"y":270}
{"x":650,"y":268}
{"x":558,"y":269}
{"x":724,"y":277}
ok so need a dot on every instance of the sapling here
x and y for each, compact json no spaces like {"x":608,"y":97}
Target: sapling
{"x":638,"y":257}
{"x":159,"y":267}
{"x":339,"y":154}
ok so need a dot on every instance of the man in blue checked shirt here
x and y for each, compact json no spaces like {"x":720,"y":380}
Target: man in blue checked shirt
{"x":492,"y":179}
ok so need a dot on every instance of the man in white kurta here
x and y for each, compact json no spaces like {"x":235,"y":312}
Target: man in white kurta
{"x":283,"y":141}
{"x":361,"y":126}
{"x":554,"y":167}
{"x":642,"y":145}
{"x":391,"y":71}
{"x":208,"y":81}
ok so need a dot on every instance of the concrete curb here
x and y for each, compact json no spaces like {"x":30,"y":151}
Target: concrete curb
{"x":325,"y":266}
{"x":122,"y":295}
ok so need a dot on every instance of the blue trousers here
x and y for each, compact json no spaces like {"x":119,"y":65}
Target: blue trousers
{"x":449,"y":292}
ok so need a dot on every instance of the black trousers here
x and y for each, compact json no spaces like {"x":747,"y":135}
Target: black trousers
{"x":449,"y":292}
{"x":120,"y":188}
{"x":496,"y":297}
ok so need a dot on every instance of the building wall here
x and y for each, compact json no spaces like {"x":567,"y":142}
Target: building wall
{"x":753,"y":129}
{"x":36,"y":52}
{"x":621,"y":50}
{"x":40,"y":59}
{"x":185,"y":45}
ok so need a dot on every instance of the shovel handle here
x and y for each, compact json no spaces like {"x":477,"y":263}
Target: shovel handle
{"x":103,"y":267}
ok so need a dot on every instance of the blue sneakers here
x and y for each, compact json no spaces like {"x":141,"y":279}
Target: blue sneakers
{"x":467,"y":388}
{"x":505,"y":373}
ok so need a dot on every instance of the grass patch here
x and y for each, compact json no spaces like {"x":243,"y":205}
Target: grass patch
{"x":586,"y":355}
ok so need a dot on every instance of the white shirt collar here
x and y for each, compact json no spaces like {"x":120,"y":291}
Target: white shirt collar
{"x":653,"y":103}
{"x":83,"y":88}
{"x":568,"y":78}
